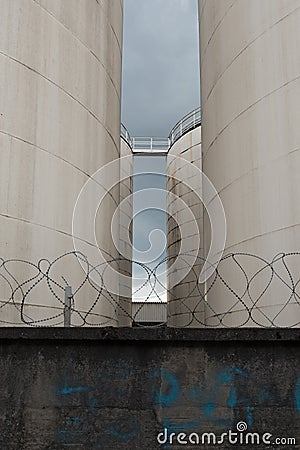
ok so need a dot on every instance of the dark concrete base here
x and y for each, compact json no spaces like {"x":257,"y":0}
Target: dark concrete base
{"x":111,"y":389}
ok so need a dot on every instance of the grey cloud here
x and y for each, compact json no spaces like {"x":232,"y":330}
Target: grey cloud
{"x":160,"y":64}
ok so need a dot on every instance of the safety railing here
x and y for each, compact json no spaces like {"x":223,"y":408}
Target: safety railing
{"x":161,"y":145}
{"x":187,"y":123}
{"x":125,"y":135}
{"x":150,"y":144}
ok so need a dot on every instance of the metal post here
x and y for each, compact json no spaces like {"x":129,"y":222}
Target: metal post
{"x":67,"y":307}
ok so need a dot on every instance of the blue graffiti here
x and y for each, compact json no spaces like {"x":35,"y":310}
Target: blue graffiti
{"x":232,"y":388}
{"x":77,"y":426}
{"x":115,"y":381}
{"x":93,"y":404}
{"x":131,"y":427}
{"x":226,"y":379}
{"x":74,"y":390}
{"x":172,"y":390}
{"x":297,"y":394}
{"x":74,"y":428}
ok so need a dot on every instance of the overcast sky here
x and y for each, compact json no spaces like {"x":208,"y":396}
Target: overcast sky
{"x":149,"y":226}
{"x":160,"y":64}
{"x":160,"y":85}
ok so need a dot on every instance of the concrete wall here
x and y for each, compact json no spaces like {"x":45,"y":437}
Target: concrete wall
{"x":250,"y":86}
{"x":60,"y":72}
{"x":184,"y":227}
{"x":105,"y":390}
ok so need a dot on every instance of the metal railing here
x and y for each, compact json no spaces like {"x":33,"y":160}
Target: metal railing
{"x":126,"y":136}
{"x":161,"y":145}
{"x":187,"y":123}
{"x":150,"y":144}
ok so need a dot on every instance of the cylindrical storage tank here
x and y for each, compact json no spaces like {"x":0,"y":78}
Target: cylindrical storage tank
{"x":186,"y":304}
{"x":250,"y":89}
{"x":60,"y":76}
{"x":125,"y":234}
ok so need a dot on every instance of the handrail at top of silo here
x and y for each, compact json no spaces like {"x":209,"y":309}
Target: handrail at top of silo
{"x":185,"y":124}
{"x":152,"y":144}
{"x":126,"y":136}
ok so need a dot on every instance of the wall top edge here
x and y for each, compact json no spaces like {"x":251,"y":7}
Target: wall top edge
{"x":151,"y":334}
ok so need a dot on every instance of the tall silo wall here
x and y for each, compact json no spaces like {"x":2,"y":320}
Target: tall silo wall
{"x":250,"y":89}
{"x":60,"y":72}
{"x":125,"y":234}
{"x":186,"y":305}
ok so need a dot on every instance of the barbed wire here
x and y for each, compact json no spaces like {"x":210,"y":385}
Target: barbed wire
{"x":245,"y":290}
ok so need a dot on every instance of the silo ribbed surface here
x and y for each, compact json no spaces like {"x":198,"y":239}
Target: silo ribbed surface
{"x":60,"y":72}
{"x":125,"y":235}
{"x":185,"y":231}
{"x":250,"y":88}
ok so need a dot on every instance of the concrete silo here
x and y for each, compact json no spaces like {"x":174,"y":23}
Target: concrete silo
{"x":60,"y":76}
{"x":250,"y":89}
{"x":186,"y":305}
{"x":125,"y":233}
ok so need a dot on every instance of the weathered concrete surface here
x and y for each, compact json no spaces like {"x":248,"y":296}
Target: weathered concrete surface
{"x":185,"y":230}
{"x":117,"y":388}
{"x":250,"y":89}
{"x":60,"y":90}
